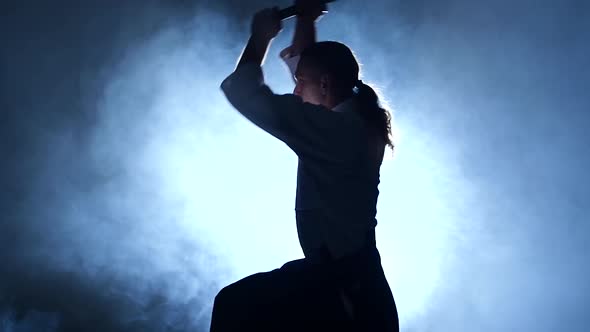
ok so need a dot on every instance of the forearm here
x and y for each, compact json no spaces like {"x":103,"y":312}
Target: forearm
{"x":255,"y":51}
{"x":305,"y":34}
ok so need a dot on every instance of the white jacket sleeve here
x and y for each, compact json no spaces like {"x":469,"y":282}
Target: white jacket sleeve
{"x":292,"y":61}
{"x":310,"y":130}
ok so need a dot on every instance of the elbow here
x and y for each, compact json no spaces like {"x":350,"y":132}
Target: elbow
{"x":226,"y":84}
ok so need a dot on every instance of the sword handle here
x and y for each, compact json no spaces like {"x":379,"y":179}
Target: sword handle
{"x":292,"y":11}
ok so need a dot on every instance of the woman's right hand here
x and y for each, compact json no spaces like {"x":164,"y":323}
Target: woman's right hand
{"x":311,"y":9}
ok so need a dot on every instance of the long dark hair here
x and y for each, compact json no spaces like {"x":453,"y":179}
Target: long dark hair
{"x":337,"y":60}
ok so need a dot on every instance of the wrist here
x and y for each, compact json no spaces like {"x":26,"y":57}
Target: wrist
{"x":307,"y":18}
{"x":260,"y":38}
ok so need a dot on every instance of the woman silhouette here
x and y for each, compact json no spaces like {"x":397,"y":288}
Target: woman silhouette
{"x":339,"y":131}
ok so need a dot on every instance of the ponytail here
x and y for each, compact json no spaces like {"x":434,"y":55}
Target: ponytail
{"x":376,"y":116}
{"x":338,"y":60}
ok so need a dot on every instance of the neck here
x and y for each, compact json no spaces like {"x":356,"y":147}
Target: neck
{"x":333,"y":101}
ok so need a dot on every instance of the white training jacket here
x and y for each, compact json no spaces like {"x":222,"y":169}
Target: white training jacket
{"x":339,"y":160}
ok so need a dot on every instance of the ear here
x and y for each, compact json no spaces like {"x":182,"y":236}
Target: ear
{"x":324,"y":84}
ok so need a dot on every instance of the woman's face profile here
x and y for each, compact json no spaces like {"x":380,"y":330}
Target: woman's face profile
{"x":308,"y":84}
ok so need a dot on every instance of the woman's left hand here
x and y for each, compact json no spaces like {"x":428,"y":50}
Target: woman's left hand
{"x":312,"y":9}
{"x":266,"y":24}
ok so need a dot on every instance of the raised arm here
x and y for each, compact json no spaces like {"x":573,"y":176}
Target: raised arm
{"x":309,"y":130}
{"x":309,"y":11}
{"x":305,"y":34}
{"x":266,"y":25}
